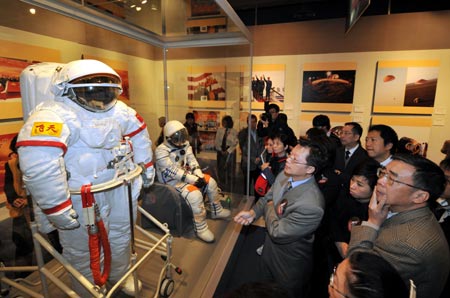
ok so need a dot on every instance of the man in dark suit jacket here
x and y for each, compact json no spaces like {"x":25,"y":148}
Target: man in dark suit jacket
{"x":347,"y":157}
{"x":292,"y":210}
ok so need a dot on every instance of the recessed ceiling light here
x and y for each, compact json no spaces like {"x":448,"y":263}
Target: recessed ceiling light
{"x":138,"y":8}
{"x":32,"y":11}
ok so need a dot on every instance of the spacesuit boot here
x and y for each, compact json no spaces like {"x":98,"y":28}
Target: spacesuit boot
{"x":218,"y":212}
{"x":128,"y":286}
{"x":202,"y":231}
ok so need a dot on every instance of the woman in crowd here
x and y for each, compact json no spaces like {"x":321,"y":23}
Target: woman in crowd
{"x":226,"y":143}
{"x":351,"y":206}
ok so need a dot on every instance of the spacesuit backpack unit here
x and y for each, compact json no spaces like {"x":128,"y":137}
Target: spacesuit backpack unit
{"x":176,"y":165}
{"x":80,"y":137}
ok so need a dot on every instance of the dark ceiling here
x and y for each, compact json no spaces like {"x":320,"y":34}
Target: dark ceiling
{"x":262,"y":12}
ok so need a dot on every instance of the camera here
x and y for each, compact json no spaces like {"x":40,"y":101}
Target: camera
{"x":264,"y":117}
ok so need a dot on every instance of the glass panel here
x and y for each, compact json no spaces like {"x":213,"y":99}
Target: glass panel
{"x":212,"y":88}
{"x":189,"y":19}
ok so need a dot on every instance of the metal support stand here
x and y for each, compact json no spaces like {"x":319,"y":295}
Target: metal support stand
{"x":162,"y":246}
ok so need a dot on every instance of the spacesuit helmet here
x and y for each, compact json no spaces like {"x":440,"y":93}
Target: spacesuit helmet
{"x":176,"y":134}
{"x":90,"y":83}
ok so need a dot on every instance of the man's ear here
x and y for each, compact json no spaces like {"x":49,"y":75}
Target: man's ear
{"x":311,"y":170}
{"x":389,"y":146}
{"x":420,"y":196}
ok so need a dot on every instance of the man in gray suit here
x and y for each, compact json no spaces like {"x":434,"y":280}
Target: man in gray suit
{"x":292,"y":210}
{"x":401,"y":227}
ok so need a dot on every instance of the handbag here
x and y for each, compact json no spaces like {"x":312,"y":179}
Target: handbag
{"x":261,"y":185}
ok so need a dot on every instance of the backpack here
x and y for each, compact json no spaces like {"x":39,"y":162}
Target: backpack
{"x":35,"y":83}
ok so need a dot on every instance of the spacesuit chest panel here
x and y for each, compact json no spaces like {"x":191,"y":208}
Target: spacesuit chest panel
{"x":178,"y":157}
{"x":89,"y":158}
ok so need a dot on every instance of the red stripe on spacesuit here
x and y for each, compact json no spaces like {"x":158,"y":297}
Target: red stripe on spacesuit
{"x":139,"y":117}
{"x":132,"y":134}
{"x":148,"y":165}
{"x":42,"y":143}
{"x":59,"y":207}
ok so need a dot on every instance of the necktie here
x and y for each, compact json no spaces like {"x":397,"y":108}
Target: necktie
{"x":287,"y":187}
{"x":347,"y":156}
{"x":224,"y":140}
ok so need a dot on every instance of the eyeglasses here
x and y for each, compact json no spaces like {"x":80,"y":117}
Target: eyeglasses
{"x":382,"y":173}
{"x":331,"y":284}
{"x":292,"y":159}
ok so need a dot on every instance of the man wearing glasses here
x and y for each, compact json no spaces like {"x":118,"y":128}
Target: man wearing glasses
{"x":292,"y":210}
{"x":401,"y":227}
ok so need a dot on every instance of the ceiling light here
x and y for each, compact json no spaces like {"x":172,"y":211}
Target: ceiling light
{"x":32,"y":11}
{"x":144,"y":1}
{"x":133,"y":5}
{"x":138,"y":8}
{"x":153,"y":7}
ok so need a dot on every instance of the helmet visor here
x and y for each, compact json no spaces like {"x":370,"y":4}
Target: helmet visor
{"x":96,"y":93}
{"x":179,"y":138}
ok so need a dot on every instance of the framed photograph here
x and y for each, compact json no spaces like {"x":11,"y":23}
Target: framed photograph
{"x":406,"y":87}
{"x":328,"y":86}
{"x":10,"y":100}
{"x":10,"y":69}
{"x":201,"y":8}
{"x":206,"y":86}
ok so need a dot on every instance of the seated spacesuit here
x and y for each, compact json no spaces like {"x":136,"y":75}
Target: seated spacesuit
{"x":71,"y":143}
{"x":176,"y":165}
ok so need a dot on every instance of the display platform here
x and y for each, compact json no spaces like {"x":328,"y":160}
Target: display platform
{"x":202,"y":264}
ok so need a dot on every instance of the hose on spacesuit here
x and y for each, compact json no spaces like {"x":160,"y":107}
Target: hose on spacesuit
{"x":98,"y":237}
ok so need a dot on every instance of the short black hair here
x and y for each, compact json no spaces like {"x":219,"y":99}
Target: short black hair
{"x":278,"y":135}
{"x":273,"y":106}
{"x":321,"y":121}
{"x":12,"y":145}
{"x":282,"y":118}
{"x":228,"y":121}
{"x":356,"y":128}
{"x":190,"y":116}
{"x":445,"y":164}
{"x":319,"y":152}
{"x":371,"y":276}
{"x":428,"y":176}
{"x":388,"y":135}
{"x":368,"y":169}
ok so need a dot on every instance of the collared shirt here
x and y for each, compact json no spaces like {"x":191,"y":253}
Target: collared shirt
{"x":386,"y":161}
{"x":352,"y":150}
{"x":299,"y":182}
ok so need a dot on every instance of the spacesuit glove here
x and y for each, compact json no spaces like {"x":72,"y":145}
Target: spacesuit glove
{"x":148,"y":175}
{"x":199,"y":173}
{"x":66,"y":220}
{"x":200,"y":183}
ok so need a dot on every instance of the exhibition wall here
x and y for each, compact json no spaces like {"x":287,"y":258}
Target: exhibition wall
{"x":314,"y":42}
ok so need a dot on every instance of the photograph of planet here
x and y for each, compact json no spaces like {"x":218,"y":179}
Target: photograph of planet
{"x":330,"y":86}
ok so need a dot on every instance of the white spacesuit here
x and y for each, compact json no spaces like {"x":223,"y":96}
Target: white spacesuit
{"x":176,"y":165}
{"x":73,"y":141}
